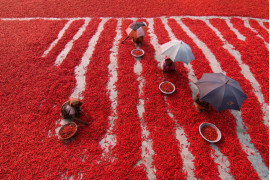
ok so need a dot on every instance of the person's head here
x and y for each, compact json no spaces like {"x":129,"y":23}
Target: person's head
{"x":168,"y":61}
{"x":75,"y":102}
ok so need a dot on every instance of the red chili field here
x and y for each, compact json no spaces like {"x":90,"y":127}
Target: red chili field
{"x":54,"y":50}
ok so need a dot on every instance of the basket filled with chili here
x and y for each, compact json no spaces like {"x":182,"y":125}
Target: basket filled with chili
{"x":67,"y":131}
{"x":137,"y":52}
{"x":210,"y":132}
{"x":167,"y":87}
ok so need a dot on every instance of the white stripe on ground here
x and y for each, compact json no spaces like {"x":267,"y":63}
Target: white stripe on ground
{"x":78,"y":18}
{"x":146,"y":147}
{"x":263,"y":26}
{"x":81,"y":69}
{"x":245,"y":71}
{"x":60,"y":35}
{"x":154,"y":42}
{"x":188,"y":158}
{"x":236,"y":32}
{"x":185,"y":154}
{"x":254,"y":156}
{"x":63,"y":54}
{"x":109,"y":141}
{"x":147,"y":150}
{"x":223,"y":163}
{"x":206,"y":51}
{"x":192,"y":79}
{"x":246,"y":24}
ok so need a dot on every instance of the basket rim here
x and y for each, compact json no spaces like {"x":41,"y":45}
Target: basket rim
{"x":212,"y":125}
{"x":164,"y":91}
{"x":65,"y":126}
{"x":137,"y":55}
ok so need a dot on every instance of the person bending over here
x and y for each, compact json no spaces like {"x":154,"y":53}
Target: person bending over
{"x":167,"y":65}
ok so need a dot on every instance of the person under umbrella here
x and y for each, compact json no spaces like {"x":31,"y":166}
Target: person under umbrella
{"x":201,"y":105}
{"x":221,"y":91}
{"x":167,"y":65}
{"x":137,"y":31}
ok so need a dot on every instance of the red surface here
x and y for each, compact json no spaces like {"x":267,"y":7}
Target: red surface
{"x":158,"y":122}
{"x":229,"y":145}
{"x":138,"y":8}
{"x":33,"y":91}
{"x":203,"y":167}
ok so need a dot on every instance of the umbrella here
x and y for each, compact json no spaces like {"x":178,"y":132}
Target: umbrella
{"x":177,"y":51}
{"x":137,"y":29}
{"x":221,"y":91}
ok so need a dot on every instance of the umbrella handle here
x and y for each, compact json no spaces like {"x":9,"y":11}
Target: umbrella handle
{"x":125,"y":39}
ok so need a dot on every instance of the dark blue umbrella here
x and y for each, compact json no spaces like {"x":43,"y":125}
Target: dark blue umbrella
{"x":221,"y":91}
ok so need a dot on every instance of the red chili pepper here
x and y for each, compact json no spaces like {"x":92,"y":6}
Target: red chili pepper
{"x":166,"y":87}
{"x":209,"y":133}
{"x":137,"y":53}
{"x":67,"y":131}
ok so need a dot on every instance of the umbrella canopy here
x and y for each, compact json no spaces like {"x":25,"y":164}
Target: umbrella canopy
{"x":221,"y":91}
{"x":177,"y":51}
{"x":137,"y":29}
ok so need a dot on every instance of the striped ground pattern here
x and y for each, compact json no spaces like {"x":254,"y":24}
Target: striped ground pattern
{"x":134,"y":132}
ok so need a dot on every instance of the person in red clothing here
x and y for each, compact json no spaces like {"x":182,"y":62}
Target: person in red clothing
{"x":167,"y":65}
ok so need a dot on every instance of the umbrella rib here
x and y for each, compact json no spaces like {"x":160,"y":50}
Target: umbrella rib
{"x":241,"y":92}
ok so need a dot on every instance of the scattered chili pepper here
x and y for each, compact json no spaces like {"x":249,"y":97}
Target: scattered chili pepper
{"x":166,"y":87}
{"x":67,"y":131}
{"x":209,"y":133}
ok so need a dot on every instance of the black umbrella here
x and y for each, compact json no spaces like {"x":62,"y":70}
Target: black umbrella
{"x":221,"y":91}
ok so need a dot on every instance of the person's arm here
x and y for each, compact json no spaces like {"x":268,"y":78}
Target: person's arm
{"x":76,"y":119}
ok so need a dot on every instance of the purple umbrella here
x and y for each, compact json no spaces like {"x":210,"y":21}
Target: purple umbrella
{"x":221,"y":91}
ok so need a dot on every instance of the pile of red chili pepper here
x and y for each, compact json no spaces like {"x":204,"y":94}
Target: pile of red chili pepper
{"x":209,"y":133}
{"x":137,"y":53}
{"x":67,"y":131}
{"x":167,"y":87}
